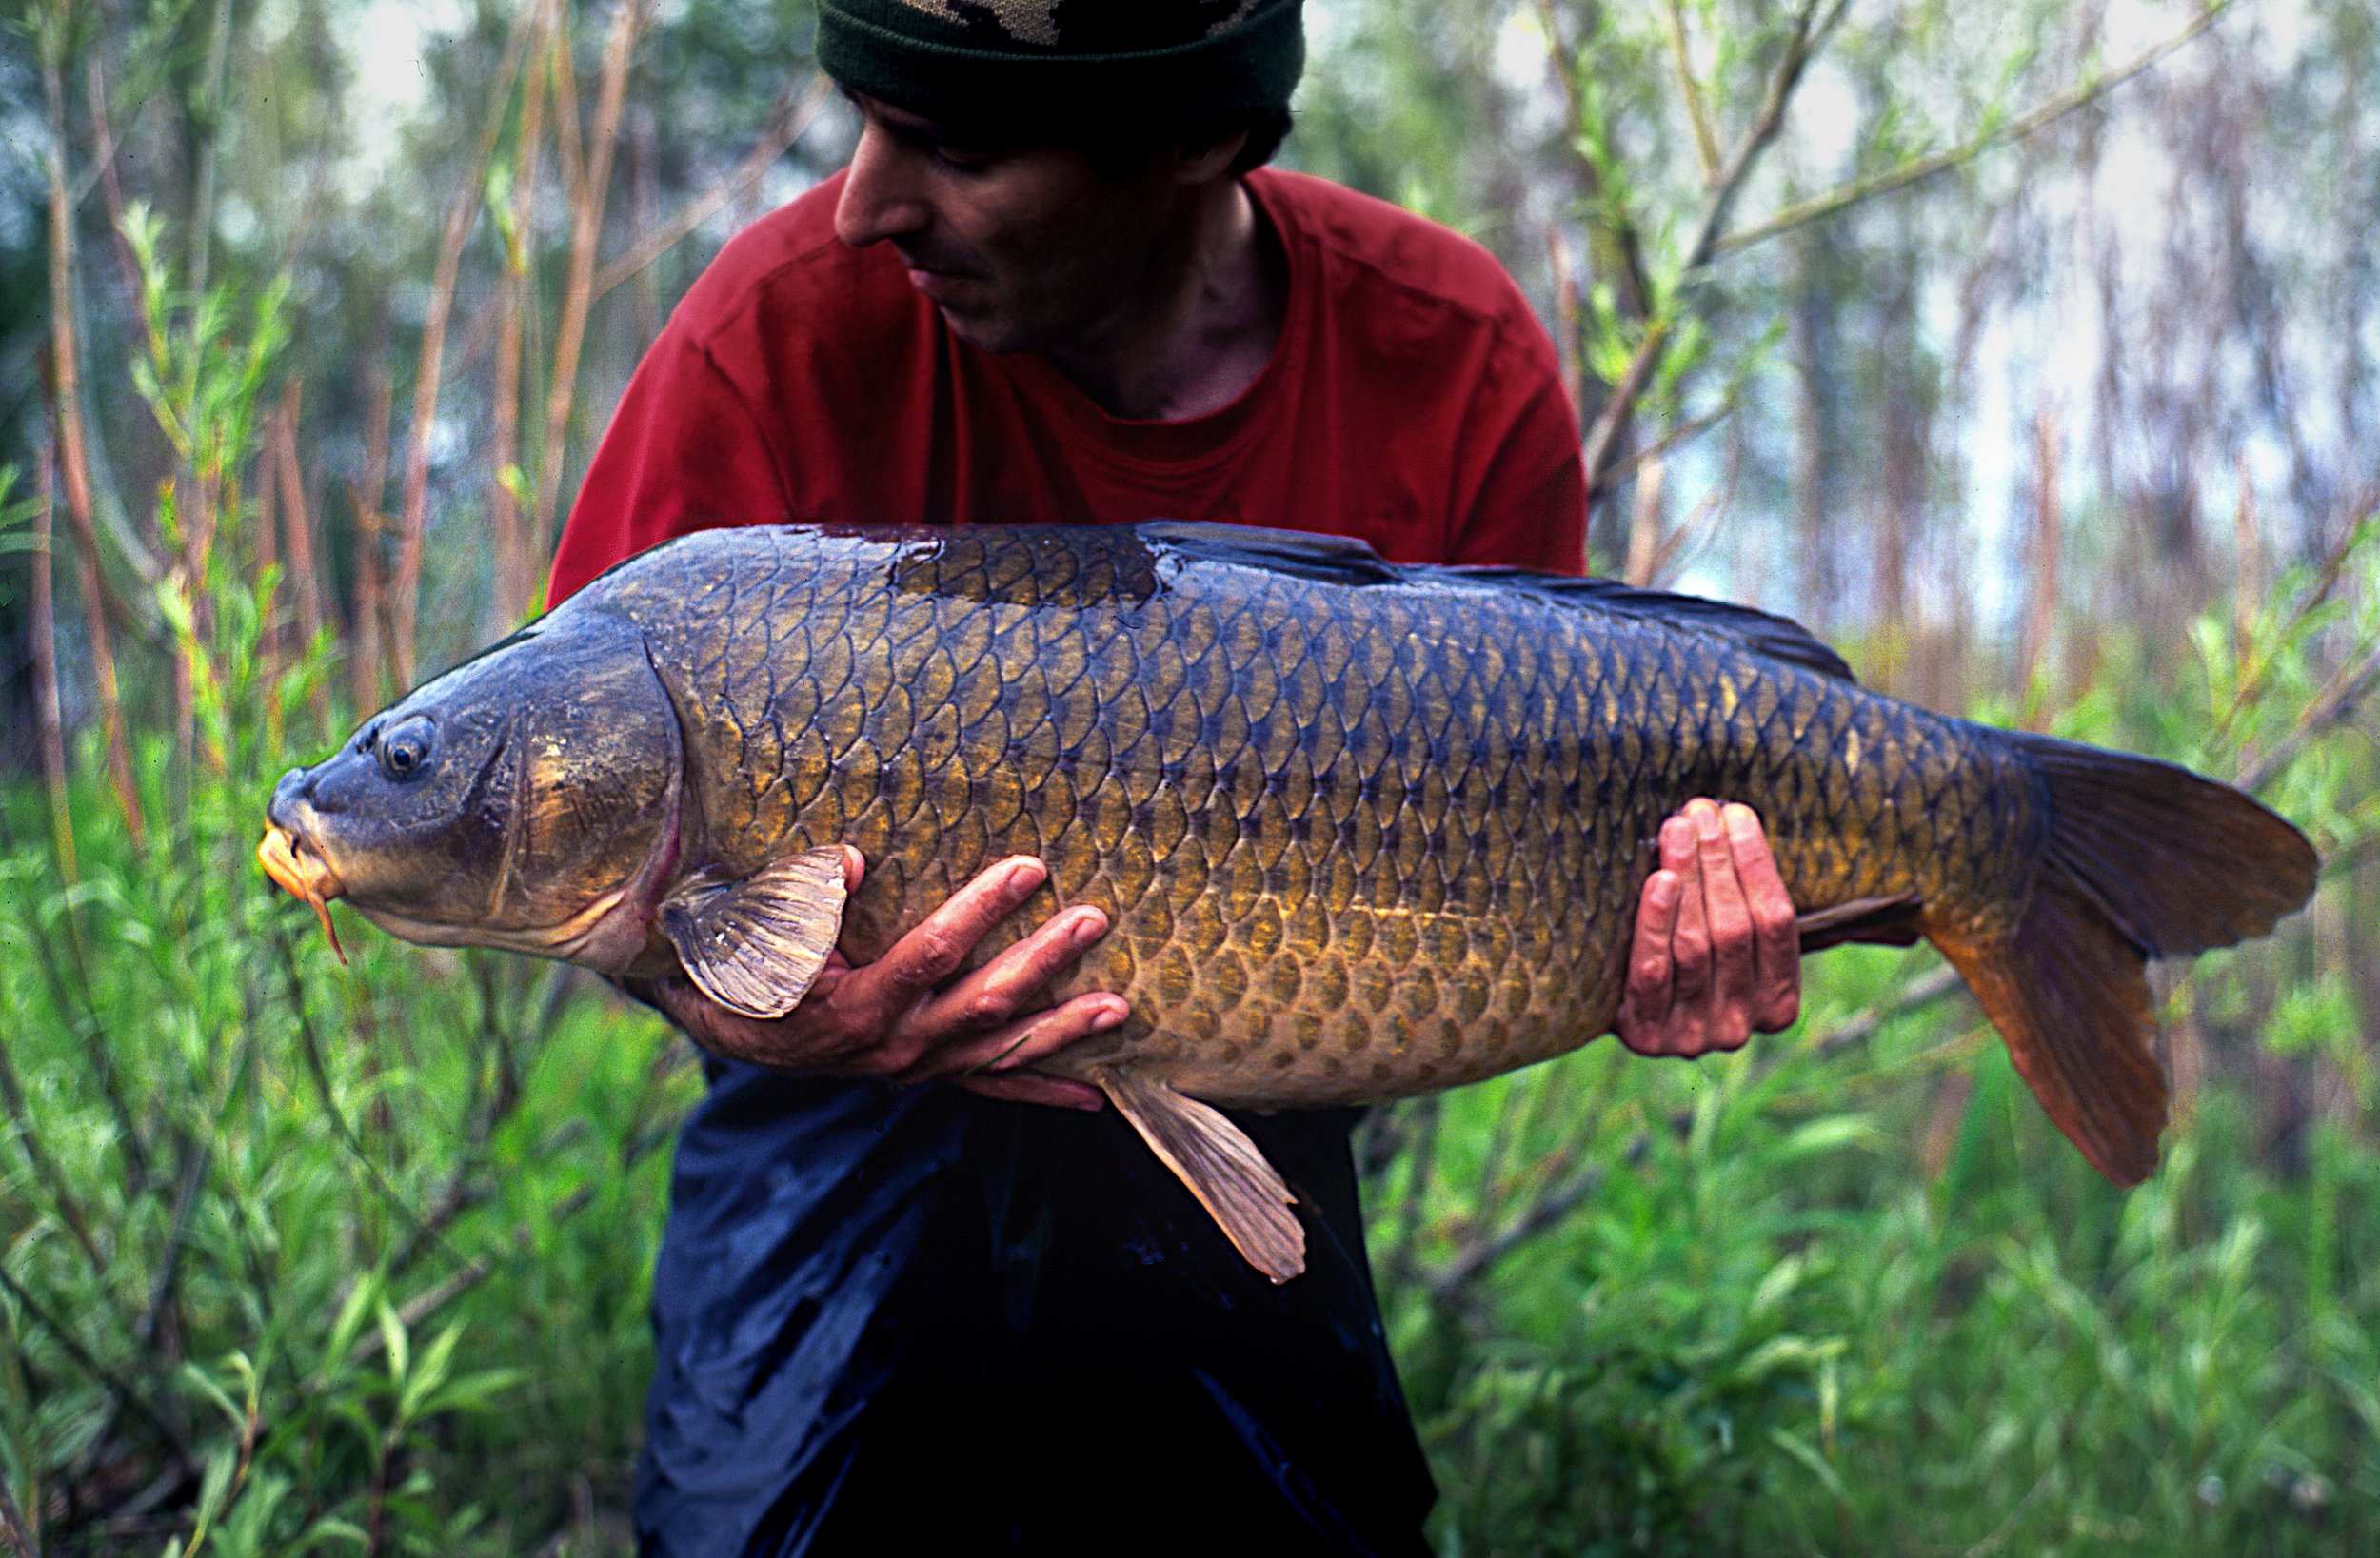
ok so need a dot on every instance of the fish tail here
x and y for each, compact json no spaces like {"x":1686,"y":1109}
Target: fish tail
{"x":2141,"y":860}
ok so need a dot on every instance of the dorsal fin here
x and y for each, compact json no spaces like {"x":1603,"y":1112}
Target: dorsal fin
{"x":1331,"y":560}
{"x":1344,"y":559}
{"x":1778,"y":638}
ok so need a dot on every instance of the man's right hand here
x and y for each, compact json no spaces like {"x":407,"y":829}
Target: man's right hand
{"x":905,"y":1019}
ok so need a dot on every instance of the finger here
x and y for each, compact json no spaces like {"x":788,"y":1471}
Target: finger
{"x":1015,"y":1045}
{"x":1733,"y":967}
{"x":878,"y":995}
{"x":1026,"y":1087}
{"x":1690,"y":944}
{"x":1776,"y":944}
{"x":1001,"y":988}
{"x":1645,"y":1006}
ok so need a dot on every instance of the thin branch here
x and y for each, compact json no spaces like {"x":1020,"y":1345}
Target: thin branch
{"x":46,"y":713}
{"x":18,"y":1541}
{"x":365,"y":657}
{"x":318,"y":1071}
{"x":1698,"y":105}
{"x":1447,"y":1284}
{"x":2335,"y":704}
{"x":108,"y":1379}
{"x":1892,"y":180}
{"x":1684,"y":432}
{"x":463,"y":211}
{"x":2325,"y":583}
{"x":786,"y":124}
{"x":1808,"y":30}
{"x":586,"y":231}
{"x":298,"y":535}
{"x":73,"y":456}
{"x":1862,"y":1025}
{"x":516,"y":297}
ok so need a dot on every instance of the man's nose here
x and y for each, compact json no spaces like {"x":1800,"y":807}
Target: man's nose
{"x":880,"y":200}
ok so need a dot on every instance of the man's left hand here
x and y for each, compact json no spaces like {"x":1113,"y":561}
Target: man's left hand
{"x":1716,"y":956}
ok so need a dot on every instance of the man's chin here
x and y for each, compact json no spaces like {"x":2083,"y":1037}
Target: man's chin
{"x":985,"y":332}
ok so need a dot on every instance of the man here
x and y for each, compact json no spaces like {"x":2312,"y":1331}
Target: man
{"x":1055,"y":285}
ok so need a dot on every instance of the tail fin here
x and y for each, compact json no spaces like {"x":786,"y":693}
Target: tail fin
{"x":2142,"y":859}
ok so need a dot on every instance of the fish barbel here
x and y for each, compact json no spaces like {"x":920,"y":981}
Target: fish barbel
{"x":1362,"y":830}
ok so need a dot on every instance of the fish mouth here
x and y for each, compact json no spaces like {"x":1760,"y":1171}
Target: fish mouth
{"x":302,"y":876}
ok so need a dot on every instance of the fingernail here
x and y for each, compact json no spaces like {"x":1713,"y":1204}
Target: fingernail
{"x":1112,"y":1017}
{"x":1087,"y":929}
{"x":1092,"y":1106}
{"x":1706,"y":819}
{"x":1739,"y":818}
{"x":1026,"y":875}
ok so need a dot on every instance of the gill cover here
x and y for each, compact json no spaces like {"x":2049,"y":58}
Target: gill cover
{"x":527,"y":799}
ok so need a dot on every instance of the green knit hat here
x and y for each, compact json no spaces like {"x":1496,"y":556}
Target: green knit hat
{"x":1022,"y":68}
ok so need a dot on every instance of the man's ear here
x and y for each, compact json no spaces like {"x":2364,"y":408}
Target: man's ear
{"x":1203,"y":164}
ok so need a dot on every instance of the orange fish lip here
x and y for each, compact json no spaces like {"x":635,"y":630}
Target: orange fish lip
{"x":300,"y":876}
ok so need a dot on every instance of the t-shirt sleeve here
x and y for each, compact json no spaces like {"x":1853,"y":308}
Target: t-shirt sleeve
{"x":683,"y":453}
{"x":1529,"y":504}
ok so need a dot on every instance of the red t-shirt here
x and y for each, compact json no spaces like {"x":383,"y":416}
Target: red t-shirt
{"x":1411,"y":401}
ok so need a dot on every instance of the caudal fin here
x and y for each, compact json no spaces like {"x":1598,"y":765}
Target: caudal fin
{"x":2143,"y":859}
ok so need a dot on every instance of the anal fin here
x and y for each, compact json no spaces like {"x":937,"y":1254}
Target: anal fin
{"x":756,"y":945}
{"x":1223,"y":1168}
{"x":1888,"y":921}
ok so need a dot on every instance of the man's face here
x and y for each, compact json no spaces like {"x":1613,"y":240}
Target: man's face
{"x":1021,"y":249}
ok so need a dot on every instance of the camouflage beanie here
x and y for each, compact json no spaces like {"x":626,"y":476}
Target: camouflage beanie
{"x":1013,"y":69}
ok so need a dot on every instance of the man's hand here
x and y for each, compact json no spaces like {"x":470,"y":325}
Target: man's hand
{"x":1716,"y":956}
{"x":904,"y":1018}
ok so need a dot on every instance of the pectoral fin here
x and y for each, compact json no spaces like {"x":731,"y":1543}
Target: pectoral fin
{"x":1223,"y":1169}
{"x":756,"y":945}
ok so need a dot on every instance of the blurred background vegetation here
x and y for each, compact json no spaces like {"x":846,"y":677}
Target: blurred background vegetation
{"x":2030,"y":351}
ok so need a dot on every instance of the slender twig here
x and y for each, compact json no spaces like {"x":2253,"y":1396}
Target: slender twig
{"x":1891,"y":179}
{"x":310,"y":1044}
{"x":1690,"y":89}
{"x":2335,"y":705}
{"x":73,"y":456}
{"x":45,"y":1167}
{"x":516,"y":297}
{"x":298,"y":526}
{"x":1810,"y":27}
{"x":2258,"y":671}
{"x":1861,"y":1025}
{"x":18,"y":1541}
{"x":366,"y":660}
{"x":209,"y":119}
{"x":2349,"y":858}
{"x":586,"y":231}
{"x":461,"y":213}
{"x":1684,"y":432}
{"x":1447,"y":1283}
{"x":522,"y":1239}
{"x":46,"y":713}
{"x":786,"y":121}
{"x":108,"y":1379}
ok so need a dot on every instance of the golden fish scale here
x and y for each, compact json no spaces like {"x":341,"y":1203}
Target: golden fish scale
{"x":1355,"y":842}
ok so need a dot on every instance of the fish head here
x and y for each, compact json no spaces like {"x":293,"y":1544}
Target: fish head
{"x":526,"y":799}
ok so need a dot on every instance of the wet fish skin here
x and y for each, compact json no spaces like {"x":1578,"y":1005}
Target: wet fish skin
{"x":1354,"y":842}
{"x":1361,"y":831}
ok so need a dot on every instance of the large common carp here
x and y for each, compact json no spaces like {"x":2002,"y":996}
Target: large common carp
{"x":1362,"y":830}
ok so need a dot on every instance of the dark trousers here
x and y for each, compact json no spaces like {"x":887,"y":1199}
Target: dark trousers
{"x":887,"y":1319}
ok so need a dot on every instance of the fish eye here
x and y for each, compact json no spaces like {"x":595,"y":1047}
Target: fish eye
{"x":405,"y":748}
